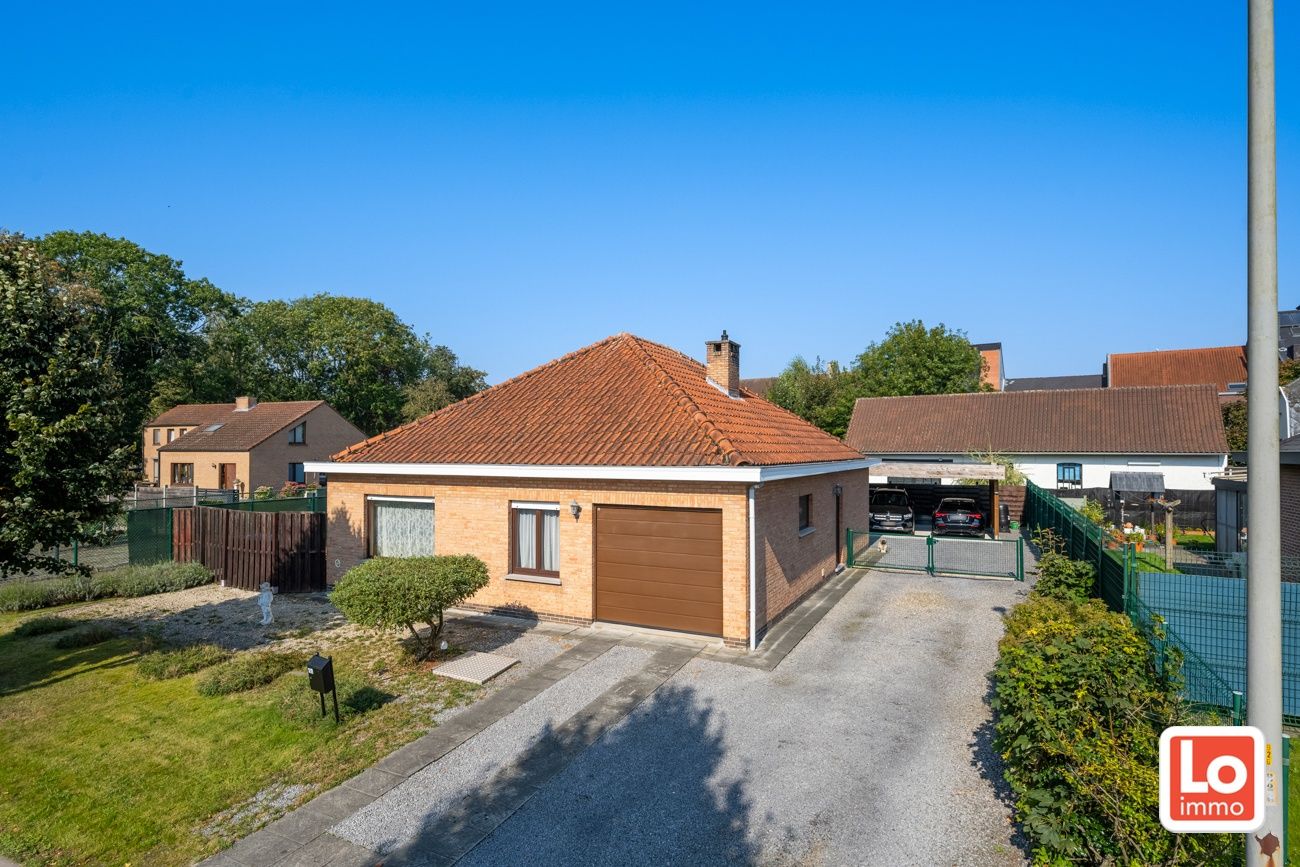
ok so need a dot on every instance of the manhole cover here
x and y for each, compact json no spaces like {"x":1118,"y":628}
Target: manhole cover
{"x":475,"y":667}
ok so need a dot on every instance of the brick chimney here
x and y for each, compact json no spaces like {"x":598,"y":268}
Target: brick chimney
{"x":245,"y":403}
{"x":722,"y":361}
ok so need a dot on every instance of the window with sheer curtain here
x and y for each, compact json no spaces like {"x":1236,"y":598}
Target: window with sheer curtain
{"x":535,"y":539}
{"x":401,"y":528}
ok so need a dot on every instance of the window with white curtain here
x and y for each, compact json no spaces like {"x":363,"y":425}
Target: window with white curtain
{"x":401,"y":527}
{"x":535,"y":539}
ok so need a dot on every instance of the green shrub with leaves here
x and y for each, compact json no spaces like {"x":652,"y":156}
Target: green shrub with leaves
{"x":180,"y":661}
{"x":86,"y":636}
{"x":1080,"y":705}
{"x":396,"y":592}
{"x":1062,"y":578}
{"x":129,"y":581}
{"x":43,"y":626}
{"x":1094,"y":511}
{"x":247,"y":671}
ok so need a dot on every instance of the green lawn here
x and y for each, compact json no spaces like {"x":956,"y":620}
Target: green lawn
{"x":101,"y":766}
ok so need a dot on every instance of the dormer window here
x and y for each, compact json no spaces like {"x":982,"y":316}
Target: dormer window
{"x":298,"y":434}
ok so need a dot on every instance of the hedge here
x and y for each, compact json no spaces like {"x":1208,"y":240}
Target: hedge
{"x":129,"y":581}
{"x":1080,"y":704}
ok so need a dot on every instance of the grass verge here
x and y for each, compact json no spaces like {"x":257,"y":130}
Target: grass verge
{"x":102,"y":765}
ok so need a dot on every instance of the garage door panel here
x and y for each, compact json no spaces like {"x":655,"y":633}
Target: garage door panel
{"x":656,"y":544}
{"x":664,"y":574}
{"x":688,"y":592}
{"x":624,"y":527}
{"x":655,"y":620}
{"x":660,"y":567}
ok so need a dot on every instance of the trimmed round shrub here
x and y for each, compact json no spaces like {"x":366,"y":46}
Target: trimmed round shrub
{"x":247,"y":671}
{"x":44,"y":626}
{"x":86,"y":636}
{"x":396,"y":592}
{"x":180,"y":661}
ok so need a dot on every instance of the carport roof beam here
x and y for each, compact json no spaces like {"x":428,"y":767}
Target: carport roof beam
{"x":938,"y":470}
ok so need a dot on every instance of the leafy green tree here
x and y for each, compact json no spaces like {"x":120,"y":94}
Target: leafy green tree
{"x":819,"y":393}
{"x":913,"y":359}
{"x":152,"y":320}
{"x":1235,"y":424}
{"x":352,"y":352}
{"x":63,"y":465}
{"x":400,"y":592}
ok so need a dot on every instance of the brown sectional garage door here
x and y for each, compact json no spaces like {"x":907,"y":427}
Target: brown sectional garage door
{"x":660,"y":567}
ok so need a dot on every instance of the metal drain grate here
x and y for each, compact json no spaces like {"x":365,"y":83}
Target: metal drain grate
{"x":475,"y":667}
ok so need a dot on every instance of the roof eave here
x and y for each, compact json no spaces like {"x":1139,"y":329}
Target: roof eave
{"x":742,"y":474}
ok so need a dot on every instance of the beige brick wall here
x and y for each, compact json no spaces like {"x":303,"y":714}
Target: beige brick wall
{"x":791,"y":565}
{"x":206,"y":466}
{"x":1290,"y":510}
{"x":327,"y":433}
{"x":472,"y":517}
{"x":150,"y":451}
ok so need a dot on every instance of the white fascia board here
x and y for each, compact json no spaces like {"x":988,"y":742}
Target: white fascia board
{"x":741,"y":475}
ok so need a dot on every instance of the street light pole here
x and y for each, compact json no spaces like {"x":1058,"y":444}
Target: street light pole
{"x":1264,"y":584}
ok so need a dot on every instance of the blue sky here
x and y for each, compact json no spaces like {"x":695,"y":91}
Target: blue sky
{"x":520,"y":180}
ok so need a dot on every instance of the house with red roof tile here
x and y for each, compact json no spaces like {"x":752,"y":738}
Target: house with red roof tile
{"x":625,"y":482}
{"x":242,"y":445}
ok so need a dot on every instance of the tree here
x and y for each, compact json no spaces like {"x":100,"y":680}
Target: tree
{"x":1234,"y":413}
{"x":152,"y":320}
{"x":63,"y":466}
{"x":818,"y":393}
{"x":913,"y":359}
{"x":352,"y":352}
{"x":396,"y":592}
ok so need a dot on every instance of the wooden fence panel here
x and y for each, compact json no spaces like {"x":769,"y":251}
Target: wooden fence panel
{"x":183,"y":535}
{"x":243,"y":549}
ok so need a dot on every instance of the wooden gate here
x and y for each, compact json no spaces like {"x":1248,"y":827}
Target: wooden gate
{"x":243,"y":549}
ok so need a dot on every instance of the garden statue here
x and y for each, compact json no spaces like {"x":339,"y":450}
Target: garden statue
{"x":264,"y":602}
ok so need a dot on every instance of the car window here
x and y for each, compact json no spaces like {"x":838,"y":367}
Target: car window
{"x":958,"y":505}
{"x":887,"y":499}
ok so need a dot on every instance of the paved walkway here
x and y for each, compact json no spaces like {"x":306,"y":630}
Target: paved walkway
{"x":866,"y":744}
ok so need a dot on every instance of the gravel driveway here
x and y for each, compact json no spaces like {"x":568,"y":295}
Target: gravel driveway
{"x":868,"y":744}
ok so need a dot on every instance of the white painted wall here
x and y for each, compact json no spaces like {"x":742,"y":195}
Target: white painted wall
{"x":1181,"y":472}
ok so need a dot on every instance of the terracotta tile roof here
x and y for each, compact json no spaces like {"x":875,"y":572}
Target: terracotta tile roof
{"x":621,"y":402}
{"x":1217,"y":366}
{"x":1173,"y":419}
{"x":191,"y":413}
{"x":240,"y":430}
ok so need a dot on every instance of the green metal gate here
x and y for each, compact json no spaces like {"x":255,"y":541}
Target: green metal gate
{"x":945,"y":555}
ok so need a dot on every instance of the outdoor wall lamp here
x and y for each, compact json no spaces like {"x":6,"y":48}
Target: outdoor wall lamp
{"x":575,"y":509}
{"x":837,"y":491}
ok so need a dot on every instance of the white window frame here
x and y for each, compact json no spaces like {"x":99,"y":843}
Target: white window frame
{"x":385,"y":498}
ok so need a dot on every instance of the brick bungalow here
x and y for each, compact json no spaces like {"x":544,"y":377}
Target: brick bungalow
{"x":624,"y":482}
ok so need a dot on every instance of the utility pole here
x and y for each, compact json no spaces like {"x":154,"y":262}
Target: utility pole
{"x":1264,"y":581}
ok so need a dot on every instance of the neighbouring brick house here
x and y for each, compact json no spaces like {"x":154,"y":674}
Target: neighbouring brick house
{"x":245,"y":444}
{"x":1291,"y":497}
{"x":1232,"y":490}
{"x":624,"y":482}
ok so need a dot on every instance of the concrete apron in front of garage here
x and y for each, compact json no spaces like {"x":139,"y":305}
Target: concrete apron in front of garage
{"x":413,"y":795}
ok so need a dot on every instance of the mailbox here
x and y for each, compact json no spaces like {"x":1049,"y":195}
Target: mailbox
{"x":320,"y":673}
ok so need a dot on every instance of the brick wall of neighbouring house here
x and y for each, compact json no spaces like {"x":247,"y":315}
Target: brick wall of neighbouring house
{"x":1290,"y":511}
{"x":472,"y":517}
{"x":791,"y":565}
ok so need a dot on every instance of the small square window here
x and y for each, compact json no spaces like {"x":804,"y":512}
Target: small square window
{"x":182,"y":474}
{"x":805,"y":513}
{"x":296,"y":473}
{"x":298,"y":434}
{"x":1069,"y":476}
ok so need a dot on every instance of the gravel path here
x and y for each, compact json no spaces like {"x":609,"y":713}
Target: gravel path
{"x":401,"y":816}
{"x":867,"y":745}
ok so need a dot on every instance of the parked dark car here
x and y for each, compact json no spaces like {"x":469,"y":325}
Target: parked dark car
{"x":891,"y":511}
{"x":957,"y":515}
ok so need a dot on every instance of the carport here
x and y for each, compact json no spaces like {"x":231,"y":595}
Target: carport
{"x":991,"y":474}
